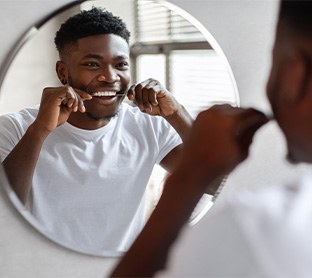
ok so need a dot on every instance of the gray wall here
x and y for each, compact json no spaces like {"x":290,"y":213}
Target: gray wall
{"x":245,"y":30}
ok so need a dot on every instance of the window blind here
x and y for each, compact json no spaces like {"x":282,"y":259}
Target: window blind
{"x":200,"y":79}
{"x":171,"y":49}
{"x":157,"y":23}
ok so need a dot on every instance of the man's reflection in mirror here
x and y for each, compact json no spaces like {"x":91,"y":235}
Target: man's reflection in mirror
{"x":81,"y":160}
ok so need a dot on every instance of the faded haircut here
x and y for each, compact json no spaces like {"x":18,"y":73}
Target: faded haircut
{"x":92,"y":22}
{"x":297,"y":14}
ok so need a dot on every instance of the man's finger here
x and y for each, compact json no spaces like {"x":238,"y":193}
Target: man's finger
{"x":245,"y":132}
{"x":82,"y":94}
{"x":70,"y":96}
{"x":131,"y":92}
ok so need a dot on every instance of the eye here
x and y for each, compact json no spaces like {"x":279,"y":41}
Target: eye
{"x":122,"y":65}
{"x":91,"y":64}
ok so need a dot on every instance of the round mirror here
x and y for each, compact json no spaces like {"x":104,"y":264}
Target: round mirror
{"x":166,"y":44}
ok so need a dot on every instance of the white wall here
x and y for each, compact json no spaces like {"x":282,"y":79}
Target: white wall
{"x":244,"y":29}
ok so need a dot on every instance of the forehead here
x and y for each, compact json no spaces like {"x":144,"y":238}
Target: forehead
{"x":104,"y":45}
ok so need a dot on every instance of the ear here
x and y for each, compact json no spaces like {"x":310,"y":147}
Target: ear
{"x":62,"y":72}
{"x":295,"y":78}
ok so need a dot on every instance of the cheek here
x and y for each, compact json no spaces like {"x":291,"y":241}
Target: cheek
{"x":271,"y":91}
{"x":272,"y":85}
{"x":79,"y":79}
{"x":126,"y":77}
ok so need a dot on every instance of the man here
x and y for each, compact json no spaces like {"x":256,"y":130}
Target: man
{"x":82,"y":159}
{"x":260,"y":234}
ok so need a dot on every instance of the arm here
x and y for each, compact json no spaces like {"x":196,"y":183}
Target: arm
{"x":172,"y":212}
{"x":206,"y":157}
{"x":20,"y":164}
{"x":181,"y":121}
{"x":152,"y":98}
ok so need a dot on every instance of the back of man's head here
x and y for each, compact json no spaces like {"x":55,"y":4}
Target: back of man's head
{"x":297,"y":14}
{"x":89,"y":23}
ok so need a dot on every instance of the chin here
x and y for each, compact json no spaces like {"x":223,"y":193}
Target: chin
{"x":102,"y":111}
{"x":296,"y":158}
{"x":291,"y":159}
{"x":108,"y":112}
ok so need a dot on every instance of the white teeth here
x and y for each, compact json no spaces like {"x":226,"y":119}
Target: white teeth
{"x":104,"y":94}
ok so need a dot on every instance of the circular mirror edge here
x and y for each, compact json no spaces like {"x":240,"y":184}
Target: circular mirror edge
{"x":28,"y":34}
{"x":4,"y":183}
{"x":209,"y":37}
{"x":13,"y":52}
{"x":4,"y":68}
{"x":57,"y":11}
{"x":215,"y":45}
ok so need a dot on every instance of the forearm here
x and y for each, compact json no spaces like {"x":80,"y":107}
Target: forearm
{"x":211,"y":151}
{"x":20,"y":164}
{"x":181,"y":194}
{"x":181,"y":121}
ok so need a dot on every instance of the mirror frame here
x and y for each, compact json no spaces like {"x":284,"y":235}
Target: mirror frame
{"x":32,"y":31}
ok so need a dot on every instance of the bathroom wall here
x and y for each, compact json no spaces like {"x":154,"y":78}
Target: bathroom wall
{"x":244,"y":30}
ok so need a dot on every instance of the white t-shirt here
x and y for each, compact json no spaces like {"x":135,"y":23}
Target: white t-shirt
{"x":261,"y":233}
{"x":89,"y":185}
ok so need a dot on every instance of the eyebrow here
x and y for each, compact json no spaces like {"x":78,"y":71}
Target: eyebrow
{"x":100,"y":57}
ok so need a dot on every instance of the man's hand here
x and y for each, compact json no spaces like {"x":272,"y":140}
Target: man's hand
{"x":153,"y":98}
{"x":57,"y":104}
{"x":219,"y":140}
{"x":55,"y":108}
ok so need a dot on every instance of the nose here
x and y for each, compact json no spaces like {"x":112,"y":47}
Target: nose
{"x":108,"y":75}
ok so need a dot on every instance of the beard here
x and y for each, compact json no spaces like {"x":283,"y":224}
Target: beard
{"x":100,"y":118}
{"x":98,"y":115}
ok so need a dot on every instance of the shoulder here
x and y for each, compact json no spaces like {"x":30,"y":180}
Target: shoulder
{"x":30,"y":112}
{"x":21,"y":118}
{"x":269,"y":206}
{"x":268,"y":227}
{"x":275,"y":199}
{"x":276,"y":223}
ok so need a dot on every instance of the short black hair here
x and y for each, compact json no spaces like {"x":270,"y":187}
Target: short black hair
{"x":89,"y":23}
{"x":298,"y":15}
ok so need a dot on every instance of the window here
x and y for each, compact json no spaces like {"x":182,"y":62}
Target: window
{"x":172,"y":50}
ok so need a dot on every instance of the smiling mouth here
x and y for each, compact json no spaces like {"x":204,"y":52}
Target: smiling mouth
{"x":106,"y":94}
